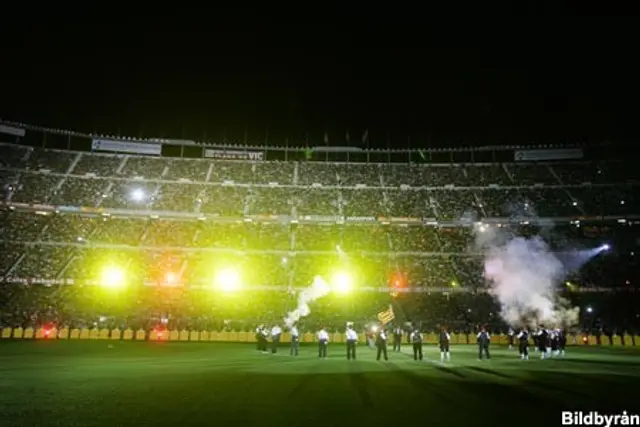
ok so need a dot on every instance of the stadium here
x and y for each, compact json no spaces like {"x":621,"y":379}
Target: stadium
{"x":135,"y":272}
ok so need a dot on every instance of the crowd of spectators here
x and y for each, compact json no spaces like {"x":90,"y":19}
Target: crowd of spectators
{"x":39,"y":246}
{"x":236,"y":188}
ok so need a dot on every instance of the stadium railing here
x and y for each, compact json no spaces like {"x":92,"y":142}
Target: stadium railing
{"x":246,"y":336}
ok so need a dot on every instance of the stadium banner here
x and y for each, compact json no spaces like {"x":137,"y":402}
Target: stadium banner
{"x":34,"y":207}
{"x":360,"y":219}
{"x":406,"y":220}
{"x":10,"y":130}
{"x":338,"y":218}
{"x":91,"y":210}
{"x":116,"y":146}
{"x":233,"y":154}
{"x":399,"y":220}
{"x":20,"y":205}
{"x":320,"y":218}
{"x":542,"y":155}
{"x":266,"y":217}
{"x":69,"y":209}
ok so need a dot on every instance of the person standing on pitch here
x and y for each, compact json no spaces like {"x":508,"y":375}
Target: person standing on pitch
{"x":265,"y":338}
{"x":381,"y":343}
{"x":323,"y":343}
{"x":276,"y":331}
{"x":562,"y":342}
{"x":523,"y":344}
{"x":352,"y":340}
{"x":371,"y":337}
{"x":554,"y":339}
{"x":295,"y":341}
{"x":484,"y":339}
{"x":511,"y":335}
{"x":543,"y":341}
{"x":536,"y":341}
{"x":397,"y":339}
{"x":445,"y":339}
{"x":259,"y":337}
{"x":416,"y":339}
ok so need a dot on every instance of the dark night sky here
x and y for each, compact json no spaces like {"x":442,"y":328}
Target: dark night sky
{"x":173,"y":79}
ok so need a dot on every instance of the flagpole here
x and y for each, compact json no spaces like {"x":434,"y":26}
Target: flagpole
{"x":326,"y":144}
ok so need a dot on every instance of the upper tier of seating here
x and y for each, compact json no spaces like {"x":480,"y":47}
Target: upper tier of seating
{"x":237,"y":188}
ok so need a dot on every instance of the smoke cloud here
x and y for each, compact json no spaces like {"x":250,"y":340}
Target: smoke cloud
{"x":318,"y":289}
{"x":524,"y":274}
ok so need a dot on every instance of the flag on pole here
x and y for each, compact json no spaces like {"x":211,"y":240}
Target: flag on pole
{"x":326,"y":138}
{"x":347,"y":138}
{"x":365,"y":136}
{"x":386,"y":316}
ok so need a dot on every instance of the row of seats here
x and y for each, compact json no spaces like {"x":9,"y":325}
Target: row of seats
{"x":79,"y":229}
{"x":43,"y":264}
{"x":234,"y":201}
{"x":307,"y":173}
{"x":71,"y":246}
{"x":373,"y":237}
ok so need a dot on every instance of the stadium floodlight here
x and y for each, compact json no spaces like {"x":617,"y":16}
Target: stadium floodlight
{"x":227,"y":280}
{"x":171,"y":279}
{"x":137,"y":195}
{"x":479,"y":227}
{"x":341,"y":283}
{"x":113,"y":278}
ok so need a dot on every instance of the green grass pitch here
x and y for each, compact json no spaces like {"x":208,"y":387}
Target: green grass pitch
{"x":97,"y":383}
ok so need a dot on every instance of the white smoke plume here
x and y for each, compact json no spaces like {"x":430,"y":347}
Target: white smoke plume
{"x":318,"y":289}
{"x":524,"y":275}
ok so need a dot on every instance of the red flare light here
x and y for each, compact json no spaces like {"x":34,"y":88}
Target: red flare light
{"x":160,"y":332}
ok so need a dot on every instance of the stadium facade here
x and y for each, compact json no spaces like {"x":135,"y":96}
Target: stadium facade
{"x":168,"y":211}
{"x":410,"y":201}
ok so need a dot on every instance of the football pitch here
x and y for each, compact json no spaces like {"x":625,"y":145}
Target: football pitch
{"x":93,"y":383}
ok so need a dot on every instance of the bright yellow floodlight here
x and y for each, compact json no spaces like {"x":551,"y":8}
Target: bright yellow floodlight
{"x":228,"y":280}
{"x":341,"y":283}
{"x":113,"y":278}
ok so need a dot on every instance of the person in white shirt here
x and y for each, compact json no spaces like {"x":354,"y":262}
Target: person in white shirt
{"x":261,"y":338}
{"x":352,"y":340}
{"x":523,"y":340}
{"x":323,"y":343}
{"x":295,"y":341}
{"x":275,"y":338}
{"x":416,"y":338}
{"x":381,"y":343}
{"x":445,"y":340}
{"x":371,"y":337}
{"x":265,"y":337}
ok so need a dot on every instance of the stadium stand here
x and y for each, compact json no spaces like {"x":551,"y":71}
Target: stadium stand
{"x":167,"y":220}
